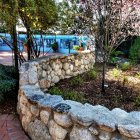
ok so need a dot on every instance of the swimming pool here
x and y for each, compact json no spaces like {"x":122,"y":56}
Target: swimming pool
{"x":65,"y":42}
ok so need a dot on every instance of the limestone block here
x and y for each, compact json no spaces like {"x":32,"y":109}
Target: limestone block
{"x":23,"y":100}
{"x":68,"y":72}
{"x":76,"y":63}
{"x":104,"y":135}
{"x":44,"y":83}
{"x":38,"y":131}
{"x":65,"y":66}
{"x":26,"y":120}
{"x":71,"y":67}
{"x":131,"y":131}
{"x":33,"y":76}
{"x":55,"y":79}
{"x":56,"y":131}
{"x":59,"y":72}
{"x":62,"y":119}
{"x":34,"y":110}
{"x":78,"y":133}
{"x":24,"y":80}
{"x":44,"y":74}
{"x":44,"y":115}
{"x":56,"y":67}
{"x":93,"y":130}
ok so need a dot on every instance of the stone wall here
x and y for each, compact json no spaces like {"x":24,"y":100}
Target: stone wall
{"x":49,"y":117}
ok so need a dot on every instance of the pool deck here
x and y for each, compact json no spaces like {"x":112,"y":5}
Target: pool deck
{"x":6,"y":57}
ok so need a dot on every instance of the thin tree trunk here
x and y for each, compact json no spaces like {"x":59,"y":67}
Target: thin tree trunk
{"x":14,"y":36}
{"x":29,"y":44}
{"x":103,"y":77}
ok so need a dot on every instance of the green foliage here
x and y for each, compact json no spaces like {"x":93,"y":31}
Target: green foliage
{"x":137,"y":101}
{"x":92,"y":74}
{"x":138,"y":75}
{"x":38,"y":14}
{"x":67,"y":94}
{"x":116,"y":53}
{"x":116,"y":72}
{"x":7,"y":80}
{"x":134,"y":53}
{"x":76,"y":47}
{"x":78,"y":80}
{"x":55,"y":90}
{"x":125,"y":66}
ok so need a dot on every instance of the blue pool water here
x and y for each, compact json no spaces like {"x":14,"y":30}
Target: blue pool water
{"x":63,"y":42}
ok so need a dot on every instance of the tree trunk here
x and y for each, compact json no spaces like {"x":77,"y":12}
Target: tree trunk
{"x":103,"y":77}
{"x":14,"y":36}
{"x":29,"y":43}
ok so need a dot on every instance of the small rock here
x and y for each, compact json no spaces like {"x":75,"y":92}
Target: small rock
{"x":62,"y":119}
{"x":104,"y":135}
{"x":81,"y":134}
{"x":34,"y":110}
{"x":44,"y":115}
{"x":93,"y":130}
{"x":131,"y":131}
{"x":56,"y":131}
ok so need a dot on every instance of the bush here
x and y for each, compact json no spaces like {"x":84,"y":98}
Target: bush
{"x":78,"y":80}
{"x":116,"y":72}
{"x":92,"y":74}
{"x":125,"y":66}
{"x":55,"y":91}
{"x":138,"y":75}
{"x":134,"y":53}
{"x":7,"y":80}
{"x":67,"y":94}
{"x":137,"y":101}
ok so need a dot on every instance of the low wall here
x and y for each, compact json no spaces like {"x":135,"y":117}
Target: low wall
{"x":49,"y":117}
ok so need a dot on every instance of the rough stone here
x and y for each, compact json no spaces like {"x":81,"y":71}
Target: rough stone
{"x":65,"y":66}
{"x":33,"y":76}
{"x":44,"y":83}
{"x":50,"y":101}
{"x":119,"y":114}
{"x":104,"y":135}
{"x":44,"y":115}
{"x":68,"y":72}
{"x":55,"y":79}
{"x":62,"y":119}
{"x":78,"y":133}
{"x":34,"y":110}
{"x":62,"y":108}
{"x":102,"y":116}
{"x":83,"y":116}
{"x":93,"y":130}
{"x":26,"y":120}
{"x":36,"y":98}
{"x":131,"y":131}
{"x":44,"y":74}
{"x":38,"y":131}
{"x":56,"y":131}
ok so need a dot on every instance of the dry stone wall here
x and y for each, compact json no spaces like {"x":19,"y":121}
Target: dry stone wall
{"x":50,"y":117}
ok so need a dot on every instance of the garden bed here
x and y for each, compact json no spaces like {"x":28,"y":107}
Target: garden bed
{"x":121,"y":91}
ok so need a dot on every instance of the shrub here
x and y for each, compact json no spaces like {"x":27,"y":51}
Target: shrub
{"x":138,"y":75}
{"x":78,"y":80}
{"x":137,"y":101}
{"x":73,"y":95}
{"x":7,"y":80}
{"x":67,"y":94}
{"x":134,"y":53}
{"x":55,"y":91}
{"x":116,"y":72}
{"x":92,"y":74}
{"x":125,"y":66}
